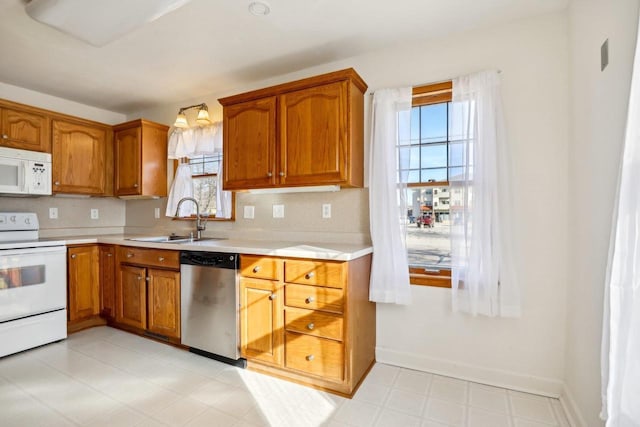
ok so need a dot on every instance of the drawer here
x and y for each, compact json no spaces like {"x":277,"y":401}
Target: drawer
{"x":320,"y":273}
{"x":260,"y":267}
{"x":314,"y":297}
{"x":314,"y":323}
{"x":313,"y":355}
{"x":152,"y":257}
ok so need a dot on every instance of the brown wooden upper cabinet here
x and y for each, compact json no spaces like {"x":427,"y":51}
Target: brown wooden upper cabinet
{"x":304,"y":133}
{"x":24,"y":127}
{"x":140,"y":158}
{"x":82,"y":158}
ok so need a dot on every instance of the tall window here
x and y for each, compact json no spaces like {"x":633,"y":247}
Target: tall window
{"x":427,"y":160}
{"x":204,"y":172}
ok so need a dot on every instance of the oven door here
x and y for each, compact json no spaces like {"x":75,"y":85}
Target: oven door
{"x":13,"y":176}
{"x":32,"y":281}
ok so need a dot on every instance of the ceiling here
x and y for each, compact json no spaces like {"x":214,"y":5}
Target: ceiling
{"x":210,"y":46}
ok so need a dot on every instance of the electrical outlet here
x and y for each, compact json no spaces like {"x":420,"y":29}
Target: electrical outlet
{"x":95,"y":214}
{"x":249,"y":212}
{"x":326,"y":210}
{"x":156,"y":213}
{"x":53,"y":213}
{"x":278,"y":211}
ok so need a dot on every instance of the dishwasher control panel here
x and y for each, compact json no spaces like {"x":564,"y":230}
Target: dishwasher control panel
{"x":210,"y":259}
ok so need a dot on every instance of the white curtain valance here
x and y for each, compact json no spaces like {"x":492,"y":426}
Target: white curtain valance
{"x":194,"y":142}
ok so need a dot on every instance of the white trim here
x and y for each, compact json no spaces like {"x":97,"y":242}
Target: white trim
{"x":571,"y":410}
{"x":512,"y":380}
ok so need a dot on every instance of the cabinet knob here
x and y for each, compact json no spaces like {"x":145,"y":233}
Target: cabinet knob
{"x":256,"y":268}
{"x":273,"y":296}
{"x":5,"y":136}
{"x":109,"y":254}
{"x":269,"y":174}
{"x":57,"y":183}
{"x":139,"y":277}
{"x":309,"y":300}
{"x":160,"y":258}
{"x":309,"y":275}
{"x":129,"y":255}
{"x":310,"y":357}
{"x":310,"y":326}
{"x":281,"y":173}
{"x":73,"y":256}
{"x":135,"y":185}
{"x":147,"y":278}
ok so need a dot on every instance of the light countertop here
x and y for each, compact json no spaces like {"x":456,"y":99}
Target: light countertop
{"x":324,"y":251}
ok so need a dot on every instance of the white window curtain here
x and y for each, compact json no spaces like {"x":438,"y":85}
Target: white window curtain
{"x":189,"y":143}
{"x":387,"y":205}
{"x":482,"y":274}
{"x":621,"y":323}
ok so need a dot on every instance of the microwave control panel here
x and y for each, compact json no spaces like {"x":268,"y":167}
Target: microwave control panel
{"x":40,"y":177}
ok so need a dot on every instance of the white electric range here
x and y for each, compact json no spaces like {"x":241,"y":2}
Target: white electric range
{"x":33,"y":285}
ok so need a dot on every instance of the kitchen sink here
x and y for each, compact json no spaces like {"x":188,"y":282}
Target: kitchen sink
{"x":171,"y":239}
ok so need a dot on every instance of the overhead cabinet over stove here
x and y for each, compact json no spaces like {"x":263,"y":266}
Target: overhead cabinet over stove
{"x":304,"y":133}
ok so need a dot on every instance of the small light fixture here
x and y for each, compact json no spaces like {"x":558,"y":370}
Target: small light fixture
{"x":202,"y":119}
{"x":259,"y":8}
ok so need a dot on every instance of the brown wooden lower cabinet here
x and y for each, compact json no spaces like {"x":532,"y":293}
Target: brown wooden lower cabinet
{"x":147,"y":298}
{"x":322,"y":333}
{"x":83,"y":287}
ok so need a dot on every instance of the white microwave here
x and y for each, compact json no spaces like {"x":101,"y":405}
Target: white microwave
{"x":23,"y":172}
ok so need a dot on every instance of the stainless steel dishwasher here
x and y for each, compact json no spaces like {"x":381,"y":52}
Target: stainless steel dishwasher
{"x":209,"y":305}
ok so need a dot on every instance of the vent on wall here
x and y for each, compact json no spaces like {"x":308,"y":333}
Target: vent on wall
{"x":99,"y":22}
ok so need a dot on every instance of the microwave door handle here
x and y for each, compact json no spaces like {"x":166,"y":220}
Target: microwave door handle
{"x":24,"y":176}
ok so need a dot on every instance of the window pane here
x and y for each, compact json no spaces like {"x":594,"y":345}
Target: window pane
{"x":415,"y":124}
{"x":433,"y":156}
{"x":433,"y":125}
{"x":204,"y":191}
{"x":433,"y":175}
{"x":404,"y":129}
{"x":428,"y":230}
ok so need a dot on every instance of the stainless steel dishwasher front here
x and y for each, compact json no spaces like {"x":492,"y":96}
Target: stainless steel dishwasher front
{"x":209,"y":305}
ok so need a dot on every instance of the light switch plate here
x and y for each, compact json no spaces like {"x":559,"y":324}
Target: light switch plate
{"x":53,"y":213}
{"x":278,"y":211}
{"x":95,"y":214}
{"x":326,"y":210}
{"x":249,"y":212}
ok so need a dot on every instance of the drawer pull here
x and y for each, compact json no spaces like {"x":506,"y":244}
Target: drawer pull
{"x":310,"y":326}
{"x":309,"y":275}
{"x":129,"y":255}
{"x":309,"y":300}
{"x":108,"y":254}
{"x":160,"y":258}
{"x":256,"y":268}
{"x":273,"y":296}
{"x":310,"y":357}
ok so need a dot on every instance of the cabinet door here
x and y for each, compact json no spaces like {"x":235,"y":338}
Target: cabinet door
{"x":128,"y":161}
{"x":261,"y":320}
{"x":84,"y":286}
{"x":24,"y":130}
{"x":313,"y":135}
{"x":79,"y":158}
{"x":163,"y":302}
{"x":249,"y":144}
{"x":107,"y":281}
{"x":131,"y":296}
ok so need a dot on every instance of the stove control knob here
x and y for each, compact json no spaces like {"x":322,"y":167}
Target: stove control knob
{"x":27,"y":220}
{"x":12,"y":218}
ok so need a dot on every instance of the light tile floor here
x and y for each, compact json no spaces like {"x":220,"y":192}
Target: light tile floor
{"x":106,"y":377}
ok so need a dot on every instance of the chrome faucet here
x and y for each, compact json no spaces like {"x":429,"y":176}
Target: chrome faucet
{"x":200,"y":225}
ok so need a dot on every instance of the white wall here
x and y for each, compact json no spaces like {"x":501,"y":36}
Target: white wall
{"x":599,"y":107}
{"x":526,"y":353}
{"x":74,"y":213}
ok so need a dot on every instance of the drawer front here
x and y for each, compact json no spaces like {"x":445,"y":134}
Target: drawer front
{"x":314,"y":323}
{"x":314,"y":298}
{"x":260,"y":267}
{"x":152,"y":257}
{"x":315,"y":356}
{"x":323,"y":273}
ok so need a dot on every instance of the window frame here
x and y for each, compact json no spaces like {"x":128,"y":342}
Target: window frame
{"x":435,"y":93}
{"x":176,"y":162}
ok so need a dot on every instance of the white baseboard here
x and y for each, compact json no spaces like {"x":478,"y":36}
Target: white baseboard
{"x":571,"y":410}
{"x":495,"y":377}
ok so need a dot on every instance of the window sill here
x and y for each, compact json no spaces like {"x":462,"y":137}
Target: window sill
{"x":439,"y":278}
